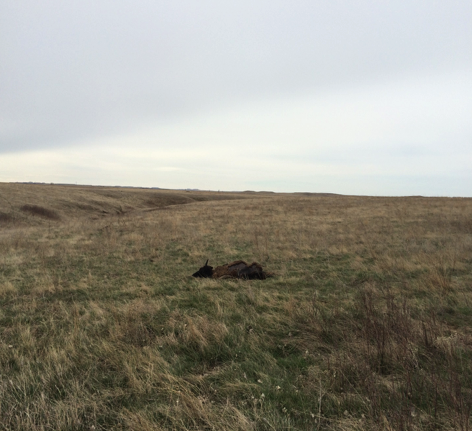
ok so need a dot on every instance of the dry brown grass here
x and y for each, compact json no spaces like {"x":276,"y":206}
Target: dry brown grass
{"x":367,"y":323}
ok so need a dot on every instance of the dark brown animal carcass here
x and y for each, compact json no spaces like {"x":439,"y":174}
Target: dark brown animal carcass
{"x":237,"y":269}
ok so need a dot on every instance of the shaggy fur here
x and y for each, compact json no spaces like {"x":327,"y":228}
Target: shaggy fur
{"x":240,"y":269}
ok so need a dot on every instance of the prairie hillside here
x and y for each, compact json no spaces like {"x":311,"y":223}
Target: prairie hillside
{"x":71,"y":202}
{"x":365,"y":325}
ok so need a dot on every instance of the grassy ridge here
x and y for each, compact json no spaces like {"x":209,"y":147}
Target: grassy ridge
{"x":29,"y":204}
{"x":366,"y":325}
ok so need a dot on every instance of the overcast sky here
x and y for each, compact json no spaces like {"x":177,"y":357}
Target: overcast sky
{"x":353,"y":97}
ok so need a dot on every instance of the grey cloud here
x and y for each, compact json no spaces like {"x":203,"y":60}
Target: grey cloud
{"x":74,"y":70}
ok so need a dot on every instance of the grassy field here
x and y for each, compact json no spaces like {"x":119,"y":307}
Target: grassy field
{"x":366,"y":325}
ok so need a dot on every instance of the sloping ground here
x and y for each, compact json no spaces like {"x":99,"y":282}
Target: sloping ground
{"x":365,"y":325}
{"x":37,"y":203}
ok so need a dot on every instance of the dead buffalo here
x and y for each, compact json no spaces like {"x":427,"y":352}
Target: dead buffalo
{"x":237,"y":269}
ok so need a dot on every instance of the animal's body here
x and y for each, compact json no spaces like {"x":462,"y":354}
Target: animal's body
{"x":237,"y":269}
